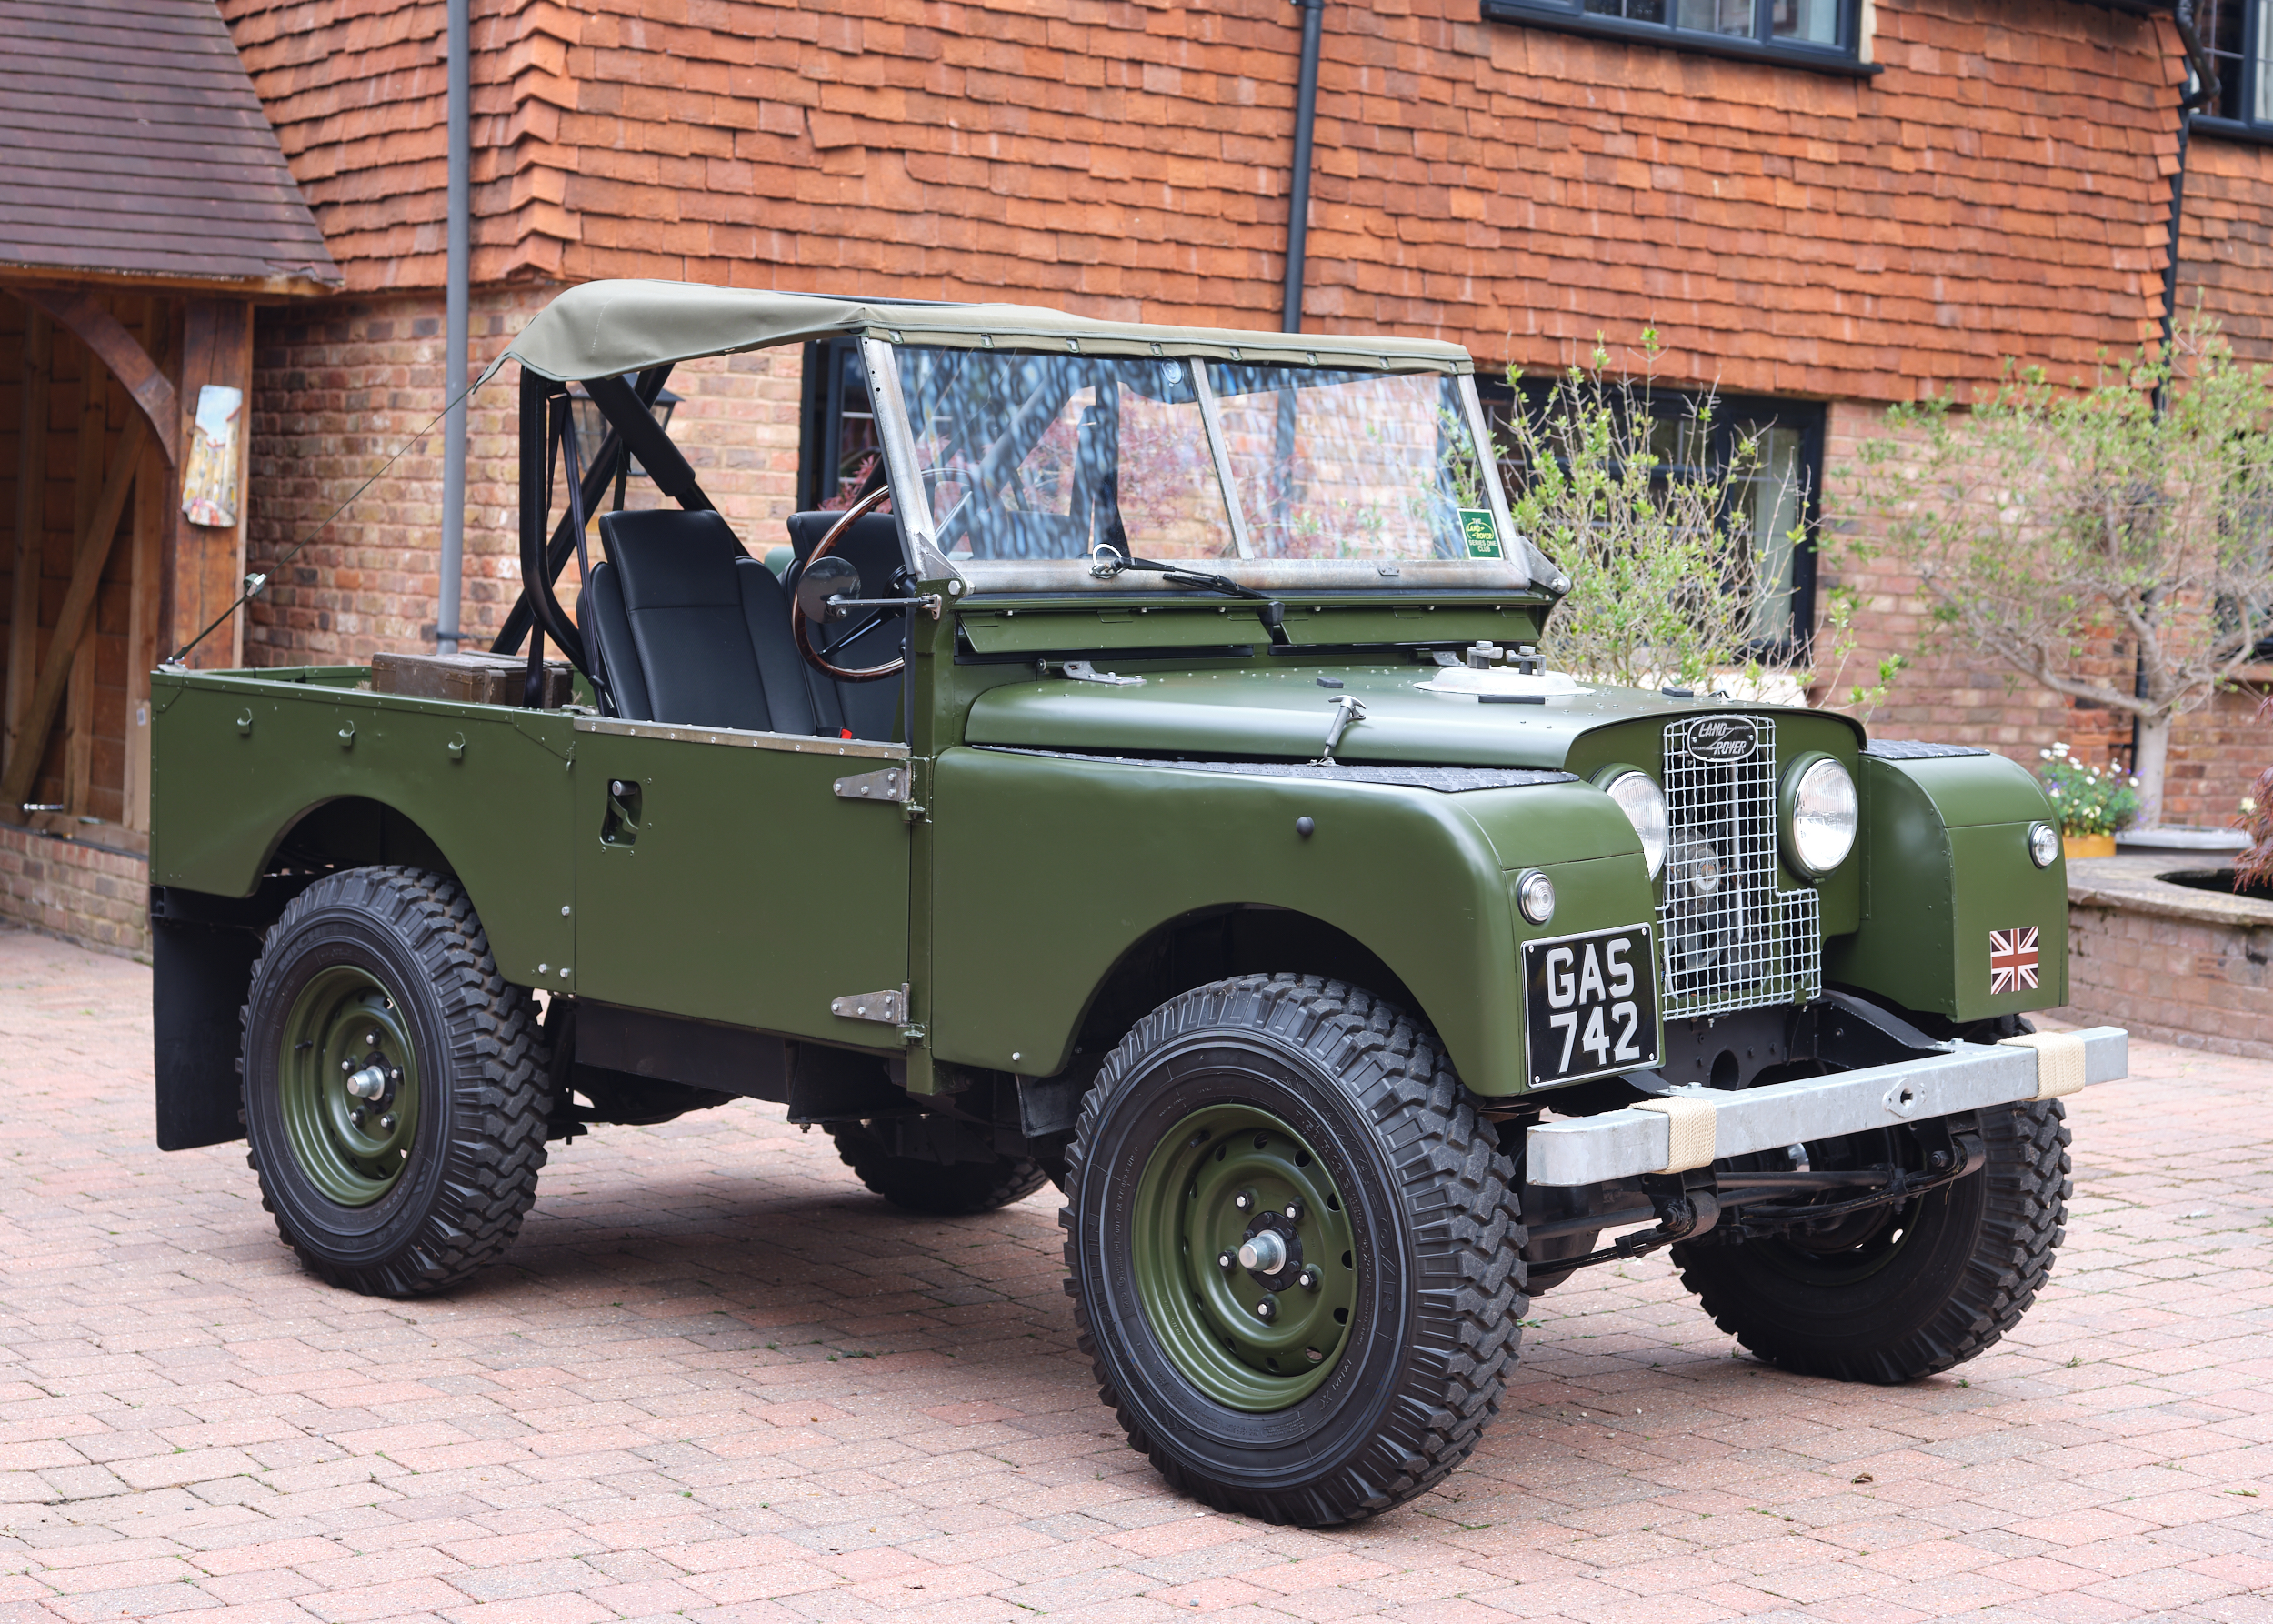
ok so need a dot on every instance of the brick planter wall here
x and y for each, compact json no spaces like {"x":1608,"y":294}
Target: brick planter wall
{"x":95,"y":895}
{"x":2168,"y":962}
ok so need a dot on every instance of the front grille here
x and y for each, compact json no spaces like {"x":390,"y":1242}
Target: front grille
{"x":1732,"y":940}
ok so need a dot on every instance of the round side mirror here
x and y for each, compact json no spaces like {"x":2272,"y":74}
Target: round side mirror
{"x":823,"y":579}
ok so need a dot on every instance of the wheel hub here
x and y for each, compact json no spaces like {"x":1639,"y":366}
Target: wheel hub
{"x":349,"y":1080}
{"x":1244,"y":1255}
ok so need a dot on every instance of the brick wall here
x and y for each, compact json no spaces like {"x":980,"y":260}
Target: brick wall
{"x":1997,"y":190}
{"x":92,"y":894}
{"x":2170,"y":979}
{"x":339,"y":385}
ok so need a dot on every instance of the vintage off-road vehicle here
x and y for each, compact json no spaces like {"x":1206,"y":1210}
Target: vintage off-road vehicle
{"x":1146,"y":783}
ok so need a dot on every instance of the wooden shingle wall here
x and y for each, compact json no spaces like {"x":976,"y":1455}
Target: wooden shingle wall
{"x":1998,"y":189}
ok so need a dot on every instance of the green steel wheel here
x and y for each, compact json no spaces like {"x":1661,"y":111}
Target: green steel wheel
{"x":1292,"y":1249}
{"x":347,"y":1085}
{"x":1893,"y":1294}
{"x":394,"y":1103}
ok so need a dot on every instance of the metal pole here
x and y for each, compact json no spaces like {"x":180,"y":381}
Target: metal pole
{"x":1298,"y":201}
{"x":454,"y":344}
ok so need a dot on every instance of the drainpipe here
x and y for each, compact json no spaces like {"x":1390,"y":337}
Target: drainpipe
{"x":1298,"y":202}
{"x":454,"y":343}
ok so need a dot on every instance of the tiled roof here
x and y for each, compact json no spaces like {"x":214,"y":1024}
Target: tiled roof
{"x":134,"y":145}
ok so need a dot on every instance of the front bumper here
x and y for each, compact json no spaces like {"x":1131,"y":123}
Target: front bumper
{"x":1693,"y":1126}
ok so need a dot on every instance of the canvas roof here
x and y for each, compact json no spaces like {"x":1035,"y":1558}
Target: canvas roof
{"x":601,"y":329}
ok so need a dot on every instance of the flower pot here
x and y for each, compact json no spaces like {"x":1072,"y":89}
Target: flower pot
{"x":2087,"y":845}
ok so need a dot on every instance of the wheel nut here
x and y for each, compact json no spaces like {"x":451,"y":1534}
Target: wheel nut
{"x":1294,"y":1210}
{"x":387,"y":1123}
{"x":1267,"y":1309}
{"x":1307,"y":1279}
{"x":1224,"y":1260}
{"x":355,"y":1116}
{"x":1242,"y":1200}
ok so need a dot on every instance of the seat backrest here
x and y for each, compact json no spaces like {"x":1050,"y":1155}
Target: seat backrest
{"x":871,"y":709}
{"x":691,"y":629}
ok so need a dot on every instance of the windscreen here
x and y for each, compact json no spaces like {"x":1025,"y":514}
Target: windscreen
{"x":1347,"y":464}
{"x":1048,"y":457}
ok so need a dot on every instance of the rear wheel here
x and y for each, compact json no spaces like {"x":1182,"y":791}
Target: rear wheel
{"x":942,"y":1189}
{"x":1895,"y":1293}
{"x":394,"y":1095}
{"x":1292,"y":1249}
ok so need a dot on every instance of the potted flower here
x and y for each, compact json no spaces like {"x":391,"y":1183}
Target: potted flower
{"x":2091,"y":805}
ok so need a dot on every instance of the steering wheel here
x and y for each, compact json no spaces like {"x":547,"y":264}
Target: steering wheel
{"x":819,"y":657}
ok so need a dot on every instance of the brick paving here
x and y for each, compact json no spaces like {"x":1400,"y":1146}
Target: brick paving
{"x":717,"y":1381}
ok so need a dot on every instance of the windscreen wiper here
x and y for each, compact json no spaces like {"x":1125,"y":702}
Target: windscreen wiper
{"x":1105,"y":561}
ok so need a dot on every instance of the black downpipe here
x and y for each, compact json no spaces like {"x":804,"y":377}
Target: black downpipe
{"x":606,"y":464}
{"x":1298,"y":200}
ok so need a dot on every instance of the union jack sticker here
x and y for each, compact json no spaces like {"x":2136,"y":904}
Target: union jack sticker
{"x":2013,"y":960}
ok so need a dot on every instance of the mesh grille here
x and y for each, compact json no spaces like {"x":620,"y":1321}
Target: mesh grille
{"x":1732,"y":940}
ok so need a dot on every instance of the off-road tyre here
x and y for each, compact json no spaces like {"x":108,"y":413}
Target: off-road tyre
{"x":467,"y":1168}
{"x":1968,"y":1266}
{"x":1431,"y":1207}
{"x":938,"y":1190}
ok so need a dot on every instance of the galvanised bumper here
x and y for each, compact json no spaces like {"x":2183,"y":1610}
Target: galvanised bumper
{"x":1693,"y":1126}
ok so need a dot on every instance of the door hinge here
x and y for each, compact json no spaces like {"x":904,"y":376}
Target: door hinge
{"x":891,"y":1006}
{"x":890,"y":785}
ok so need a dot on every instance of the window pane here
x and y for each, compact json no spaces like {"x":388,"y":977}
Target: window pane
{"x":1046,"y":456}
{"x":2261,"y":87}
{"x":1772,"y":505}
{"x":857,"y":446}
{"x":1716,"y":16}
{"x":1817,"y":22}
{"x":1337,"y":465}
{"x":1632,"y":11}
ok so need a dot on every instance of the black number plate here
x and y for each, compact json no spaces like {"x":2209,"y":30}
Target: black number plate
{"x":1591,"y":1005}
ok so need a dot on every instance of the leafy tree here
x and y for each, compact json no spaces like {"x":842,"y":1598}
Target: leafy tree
{"x":2051,"y":528}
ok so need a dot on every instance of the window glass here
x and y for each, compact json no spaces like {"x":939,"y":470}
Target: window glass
{"x":1046,"y":456}
{"x":1815,"y":21}
{"x":1344,"y":464}
{"x":1632,"y":11}
{"x":1716,"y":16}
{"x":1772,"y":505}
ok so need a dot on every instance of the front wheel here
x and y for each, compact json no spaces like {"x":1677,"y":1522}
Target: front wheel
{"x":1294,"y":1250}
{"x":394,"y":1095}
{"x":1896,"y":1293}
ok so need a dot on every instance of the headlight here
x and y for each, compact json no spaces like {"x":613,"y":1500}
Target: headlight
{"x":1535,"y":893}
{"x":1820,"y":815}
{"x":1644,"y":804}
{"x":2044,"y":844}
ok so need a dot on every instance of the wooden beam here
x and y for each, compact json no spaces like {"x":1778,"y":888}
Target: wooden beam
{"x":31,"y":524}
{"x":87,"y":491}
{"x":91,"y":552}
{"x":208,"y":562}
{"x":148,"y":539}
{"x":100,"y":331}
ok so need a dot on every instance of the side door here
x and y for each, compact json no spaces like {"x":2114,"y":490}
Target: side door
{"x":754,"y":878}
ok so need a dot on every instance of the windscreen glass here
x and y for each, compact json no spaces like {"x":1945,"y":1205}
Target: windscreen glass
{"x":1035,"y":457}
{"x":1347,"y":464}
{"x":1046,"y":456}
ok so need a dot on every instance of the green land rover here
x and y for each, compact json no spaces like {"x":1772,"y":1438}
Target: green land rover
{"x":1146,"y":783}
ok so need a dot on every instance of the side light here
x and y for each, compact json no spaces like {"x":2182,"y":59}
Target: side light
{"x":1644,"y":804}
{"x":1821,"y":815}
{"x":1534,"y":893}
{"x":2044,"y":844}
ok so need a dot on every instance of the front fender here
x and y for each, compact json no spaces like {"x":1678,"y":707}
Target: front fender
{"x":1034,"y":912}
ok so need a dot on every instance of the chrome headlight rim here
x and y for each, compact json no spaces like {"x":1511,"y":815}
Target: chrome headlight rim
{"x":1634,"y":782}
{"x":1534,"y":896}
{"x":1807,"y":857}
{"x":2044,"y":844}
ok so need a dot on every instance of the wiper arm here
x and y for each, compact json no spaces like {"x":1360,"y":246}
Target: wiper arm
{"x":1105,"y":561}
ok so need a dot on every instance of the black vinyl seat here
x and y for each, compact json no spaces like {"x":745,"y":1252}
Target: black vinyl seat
{"x":691,"y":629}
{"x":872,"y":546}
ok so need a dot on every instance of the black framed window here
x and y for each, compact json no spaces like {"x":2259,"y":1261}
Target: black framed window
{"x":2238,"y":35}
{"x":1773,"y":506}
{"x":1819,"y":33}
{"x":838,"y":444}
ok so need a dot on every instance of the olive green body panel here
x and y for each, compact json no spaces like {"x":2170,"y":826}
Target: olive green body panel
{"x":1943,"y":858}
{"x":1048,"y":871}
{"x":747,"y":891}
{"x":238,"y":761}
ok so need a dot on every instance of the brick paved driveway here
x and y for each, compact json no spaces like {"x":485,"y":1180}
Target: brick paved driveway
{"x":717,"y":1379}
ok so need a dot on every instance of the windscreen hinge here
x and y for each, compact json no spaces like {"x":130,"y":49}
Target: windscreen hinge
{"x":888,"y":1006}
